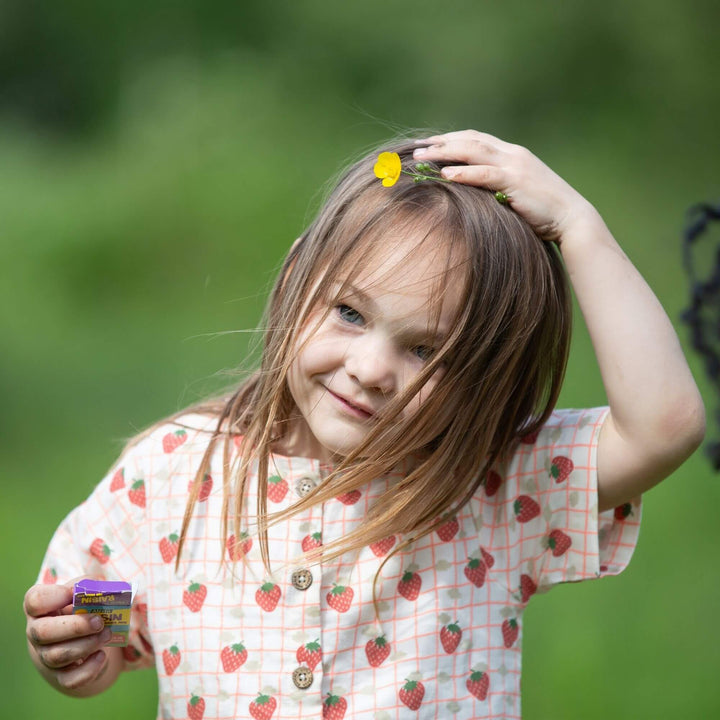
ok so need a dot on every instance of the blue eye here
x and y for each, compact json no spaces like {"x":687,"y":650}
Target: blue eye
{"x":350,"y":315}
{"x":424,"y":352}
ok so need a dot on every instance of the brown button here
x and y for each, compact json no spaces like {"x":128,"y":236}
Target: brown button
{"x":305,"y":485}
{"x":302,"y":677}
{"x":301,"y":579}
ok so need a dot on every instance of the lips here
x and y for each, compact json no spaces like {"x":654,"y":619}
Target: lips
{"x":359,"y":409}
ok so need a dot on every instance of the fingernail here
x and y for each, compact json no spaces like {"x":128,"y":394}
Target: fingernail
{"x":96,"y":622}
{"x":105,"y":635}
{"x":419,"y":152}
{"x":449,"y":172}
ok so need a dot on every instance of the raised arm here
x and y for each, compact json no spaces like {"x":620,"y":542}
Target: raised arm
{"x":657,"y":418}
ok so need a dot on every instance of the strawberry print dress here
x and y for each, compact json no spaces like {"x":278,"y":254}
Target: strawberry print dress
{"x":306,"y":641}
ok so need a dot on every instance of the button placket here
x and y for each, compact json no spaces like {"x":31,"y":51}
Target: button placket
{"x":303,"y":592}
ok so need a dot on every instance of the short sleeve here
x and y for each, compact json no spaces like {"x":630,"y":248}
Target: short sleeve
{"x":551,"y":503}
{"x":105,"y":538}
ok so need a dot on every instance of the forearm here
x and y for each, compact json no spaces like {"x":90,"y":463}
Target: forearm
{"x":655,"y":405}
{"x":105,"y":678}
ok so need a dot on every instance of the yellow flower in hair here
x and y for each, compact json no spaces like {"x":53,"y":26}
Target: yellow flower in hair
{"x":388,"y":168}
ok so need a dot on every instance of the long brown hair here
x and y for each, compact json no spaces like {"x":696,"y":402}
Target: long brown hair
{"x":503,"y":360}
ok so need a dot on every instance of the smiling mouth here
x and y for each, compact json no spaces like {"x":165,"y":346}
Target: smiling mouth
{"x":358,"y":411}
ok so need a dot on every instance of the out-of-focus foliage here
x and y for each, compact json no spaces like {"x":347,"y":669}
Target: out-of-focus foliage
{"x":159,"y":158}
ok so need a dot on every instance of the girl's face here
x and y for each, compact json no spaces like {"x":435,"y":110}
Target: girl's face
{"x":377,"y":337}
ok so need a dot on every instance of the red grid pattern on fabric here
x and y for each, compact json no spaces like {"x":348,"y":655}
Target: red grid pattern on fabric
{"x":476,"y":581}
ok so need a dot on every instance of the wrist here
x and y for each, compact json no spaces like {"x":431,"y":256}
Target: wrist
{"x":581,"y":226}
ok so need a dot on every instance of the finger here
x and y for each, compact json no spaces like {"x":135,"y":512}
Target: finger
{"x":60,"y":655}
{"x":466,"y":150}
{"x":485,"y":176}
{"x":463,"y":136}
{"x":46,"y":599}
{"x":60,"y":628}
{"x":76,"y":676}
{"x":73,"y":652}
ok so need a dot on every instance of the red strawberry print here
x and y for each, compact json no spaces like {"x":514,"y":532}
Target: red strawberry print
{"x":448,"y":530}
{"x":137,"y":493}
{"x":205,"y":487}
{"x":196,"y":708}
{"x":623,"y":511}
{"x":525,"y":509}
{"x":309,"y":654}
{"x":350,"y":498}
{"x":478,"y":684}
{"x":510,"y":631}
{"x":194,"y":597}
{"x":559,"y":542}
{"x":527,"y":587}
{"x":311,"y":542}
{"x":409,"y":585}
{"x":263,"y":707}
{"x":267,"y":596}
{"x":530,"y":438}
{"x":475,"y":571}
{"x":171,"y":659}
{"x":334,"y":707}
{"x":131,"y":654}
{"x":118,"y":480}
{"x":169,"y":547}
{"x":49,"y":576}
{"x":236,"y":549}
{"x":450,"y":637}
{"x":173,"y":440}
{"x":382,"y":547}
{"x":411,"y":694}
{"x":377,"y":650}
{"x":100,"y":551}
{"x":233,"y":657}
{"x":560,"y":468}
{"x":276,"y":489}
{"x":493,"y":481}
{"x":488,"y":558}
{"x":340,"y":598}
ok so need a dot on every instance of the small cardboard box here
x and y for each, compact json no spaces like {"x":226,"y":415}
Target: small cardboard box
{"x":110,"y":599}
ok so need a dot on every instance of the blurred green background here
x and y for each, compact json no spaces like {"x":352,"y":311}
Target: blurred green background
{"x":158,"y":158}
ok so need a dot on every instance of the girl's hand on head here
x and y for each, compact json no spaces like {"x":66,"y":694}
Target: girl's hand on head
{"x":549,"y":204}
{"x":66,"y":648}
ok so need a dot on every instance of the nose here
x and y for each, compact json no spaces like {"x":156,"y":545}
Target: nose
{"x":372,"y":362}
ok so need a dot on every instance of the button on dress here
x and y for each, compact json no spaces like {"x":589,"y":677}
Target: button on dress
{"x":230,"y":640}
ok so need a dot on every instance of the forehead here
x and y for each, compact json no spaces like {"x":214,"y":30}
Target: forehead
{"x":410,"y":272}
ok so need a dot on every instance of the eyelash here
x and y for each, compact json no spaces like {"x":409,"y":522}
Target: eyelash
{"x":350,"y":315}
{"x":426,"y":352}
{"x":344,"y":310}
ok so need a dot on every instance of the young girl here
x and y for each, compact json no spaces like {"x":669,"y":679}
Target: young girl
{"x":357,"y":529}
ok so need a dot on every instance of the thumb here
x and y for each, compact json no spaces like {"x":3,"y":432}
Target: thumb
{"x":41,"y":600}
